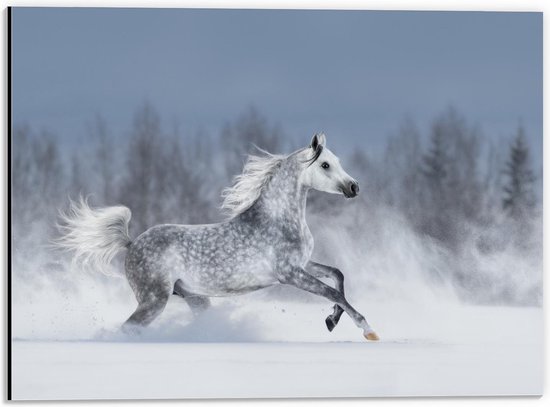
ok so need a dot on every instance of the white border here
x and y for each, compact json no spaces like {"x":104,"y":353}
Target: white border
{"x":477,"y":5}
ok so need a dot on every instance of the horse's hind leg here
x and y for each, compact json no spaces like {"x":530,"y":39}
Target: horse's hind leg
{"x":197,"y":303}
{"x":152,"y":294}
{"x":146,"y":312}
{"x":321,"y":271}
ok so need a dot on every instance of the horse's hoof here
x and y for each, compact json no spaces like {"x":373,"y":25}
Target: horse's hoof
{"x":330,"y":324}
{"x":371,"y":336}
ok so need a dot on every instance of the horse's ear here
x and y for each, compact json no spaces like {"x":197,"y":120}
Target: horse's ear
{"x":318,"y":139}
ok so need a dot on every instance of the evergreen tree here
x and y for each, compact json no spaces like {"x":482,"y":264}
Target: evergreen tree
{"x":518,"y":190}
{"x":452,"y":197}
{"x":435,"y":161}
{"x":433,"y":219}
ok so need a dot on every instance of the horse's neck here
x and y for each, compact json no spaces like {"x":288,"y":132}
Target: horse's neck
{"x":284,"y":197}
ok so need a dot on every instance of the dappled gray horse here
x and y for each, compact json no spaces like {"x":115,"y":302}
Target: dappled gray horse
{"x":266,"y":240}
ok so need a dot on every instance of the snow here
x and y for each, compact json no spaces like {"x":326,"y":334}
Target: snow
{"x":274,"y":343}
{"x":279,"y":348}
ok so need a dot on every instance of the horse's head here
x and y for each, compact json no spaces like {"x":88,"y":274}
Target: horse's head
{"x":323,"y":171}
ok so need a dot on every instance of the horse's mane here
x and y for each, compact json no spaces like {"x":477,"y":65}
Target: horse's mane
{"x":247,"y":187}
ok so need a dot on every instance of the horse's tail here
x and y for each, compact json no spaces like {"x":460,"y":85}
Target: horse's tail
{"x":95,"y":235}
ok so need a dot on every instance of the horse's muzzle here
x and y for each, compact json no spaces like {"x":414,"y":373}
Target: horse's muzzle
{"x":351,"y":189}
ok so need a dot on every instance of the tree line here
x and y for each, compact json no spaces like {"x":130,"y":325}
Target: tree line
{"x":451,"y":184}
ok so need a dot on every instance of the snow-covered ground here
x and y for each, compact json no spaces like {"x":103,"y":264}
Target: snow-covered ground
{"x":274,"y":342}
{"x":278,"y":348}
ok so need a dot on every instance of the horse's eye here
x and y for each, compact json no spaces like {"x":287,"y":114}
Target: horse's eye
{"x":325,"y":165}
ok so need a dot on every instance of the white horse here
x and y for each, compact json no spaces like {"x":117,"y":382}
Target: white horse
{"x":265,"y":242}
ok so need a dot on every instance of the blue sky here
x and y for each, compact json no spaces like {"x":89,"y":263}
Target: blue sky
{"x":352,"y":74}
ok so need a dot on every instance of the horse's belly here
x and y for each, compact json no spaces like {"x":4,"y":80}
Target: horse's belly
{"x":227,"y":279}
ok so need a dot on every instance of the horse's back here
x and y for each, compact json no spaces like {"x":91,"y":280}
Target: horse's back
{"x":159,"y":241}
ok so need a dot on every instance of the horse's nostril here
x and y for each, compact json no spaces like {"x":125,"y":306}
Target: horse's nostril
{"x":354,"y":187}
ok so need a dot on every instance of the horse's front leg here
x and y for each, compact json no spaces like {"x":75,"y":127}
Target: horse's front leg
{"x":301,"y":279}
{"x":320,"y":270}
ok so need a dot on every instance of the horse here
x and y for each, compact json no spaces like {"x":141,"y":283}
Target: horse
{"x":265,"y":240}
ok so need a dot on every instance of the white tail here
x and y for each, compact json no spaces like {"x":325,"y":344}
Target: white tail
{"x":96,"y":235}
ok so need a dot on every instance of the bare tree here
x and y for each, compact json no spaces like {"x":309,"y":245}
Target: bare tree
{"x":38,"y":186}
{"x":104,"y":159}
{"x":165,"y":180}
{"x":48,"y":178}
{"x":239,"y":139}
{"x":186,"y":190}
{"x":403,"y":161}
{"x":22,"y":173}
{"x":144,"y":157}
{"x":77,"y":182}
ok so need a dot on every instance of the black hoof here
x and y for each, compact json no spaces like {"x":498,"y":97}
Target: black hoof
{"x":330,"y":324}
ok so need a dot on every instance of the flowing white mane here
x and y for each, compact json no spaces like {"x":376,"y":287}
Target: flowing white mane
{"x":248,"y":186}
